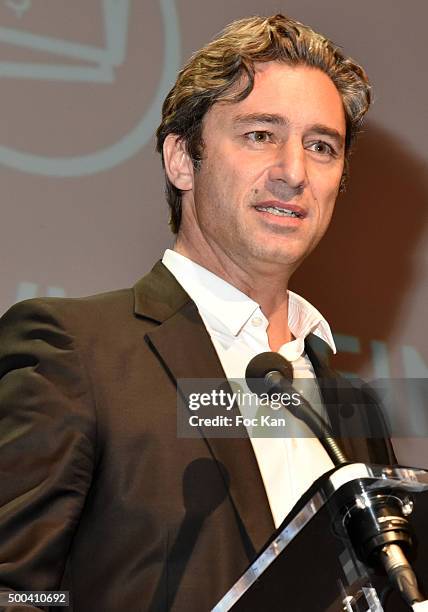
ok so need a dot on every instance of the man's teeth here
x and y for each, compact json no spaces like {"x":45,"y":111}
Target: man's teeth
{"x":281,"y":212}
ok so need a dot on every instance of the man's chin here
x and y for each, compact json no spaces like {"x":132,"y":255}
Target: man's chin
{"x":277,"y":257}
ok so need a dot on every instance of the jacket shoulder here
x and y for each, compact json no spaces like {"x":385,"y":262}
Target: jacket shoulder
{"x":81,"y":312}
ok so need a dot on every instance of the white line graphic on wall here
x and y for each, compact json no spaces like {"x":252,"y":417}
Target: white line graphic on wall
{"x":19,"y":7}
{"x":26,"y":290}
{"x":104,"y":61}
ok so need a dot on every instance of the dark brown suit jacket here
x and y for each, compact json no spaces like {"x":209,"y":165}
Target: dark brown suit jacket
{"x":97,"y":492}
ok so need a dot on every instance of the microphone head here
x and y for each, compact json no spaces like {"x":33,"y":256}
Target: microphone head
{"x":263,"y":364}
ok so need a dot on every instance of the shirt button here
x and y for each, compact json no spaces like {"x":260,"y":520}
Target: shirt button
{"x":256,"y":321}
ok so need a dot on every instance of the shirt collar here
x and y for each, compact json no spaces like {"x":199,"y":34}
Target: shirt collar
{"x":233,"y":308}
{"x":211,"y":293}
{"x":305,"y":319}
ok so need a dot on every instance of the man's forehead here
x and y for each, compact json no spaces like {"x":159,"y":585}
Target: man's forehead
{"x":280,"y":91}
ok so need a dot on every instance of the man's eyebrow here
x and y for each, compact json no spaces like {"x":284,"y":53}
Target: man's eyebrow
{"x":324,"y":130}
{"x":260,"y":118}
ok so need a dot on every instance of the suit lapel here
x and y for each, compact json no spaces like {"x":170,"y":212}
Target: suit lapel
{"x":318,"y":353}
{"x":185,"y":350}
{"x":336,"y":392}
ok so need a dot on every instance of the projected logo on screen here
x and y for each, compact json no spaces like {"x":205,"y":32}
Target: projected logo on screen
{"x":18,"y":6}
{"x":42,"y":48}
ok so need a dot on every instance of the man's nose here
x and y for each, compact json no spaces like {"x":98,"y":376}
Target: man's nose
{"x":289,"y":167}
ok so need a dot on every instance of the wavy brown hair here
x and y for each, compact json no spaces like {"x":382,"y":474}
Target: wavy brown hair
{"x":211,"y":73}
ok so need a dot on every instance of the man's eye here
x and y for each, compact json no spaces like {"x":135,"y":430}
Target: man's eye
{"x":323,"y":148}
{"x":259,"y":136}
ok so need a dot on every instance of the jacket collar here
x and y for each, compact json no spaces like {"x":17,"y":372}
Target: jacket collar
{"x":158,"y":296}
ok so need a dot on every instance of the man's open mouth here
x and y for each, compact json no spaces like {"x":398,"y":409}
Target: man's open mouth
{"x":280,"y":211}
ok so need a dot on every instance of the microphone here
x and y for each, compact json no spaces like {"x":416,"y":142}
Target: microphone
{"x":271,"y":373}
{"x":375,"y":540}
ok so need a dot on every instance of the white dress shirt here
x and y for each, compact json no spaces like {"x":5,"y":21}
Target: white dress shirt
{"x":238,"y":330}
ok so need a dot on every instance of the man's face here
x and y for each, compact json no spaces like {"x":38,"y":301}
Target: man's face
{"x":271,"y":170}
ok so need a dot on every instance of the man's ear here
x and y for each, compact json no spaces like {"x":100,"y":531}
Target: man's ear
{"x":178,"y":164}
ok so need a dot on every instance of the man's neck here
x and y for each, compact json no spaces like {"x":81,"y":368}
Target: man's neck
{"x":265,"y":286}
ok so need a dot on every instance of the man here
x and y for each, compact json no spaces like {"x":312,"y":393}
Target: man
{"x":98,"y":493}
